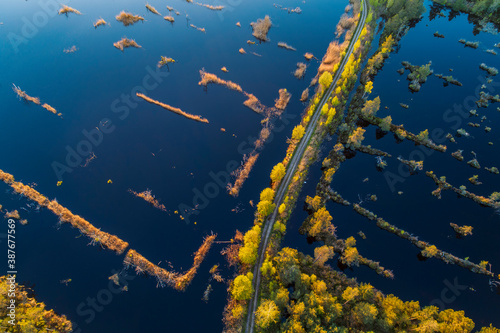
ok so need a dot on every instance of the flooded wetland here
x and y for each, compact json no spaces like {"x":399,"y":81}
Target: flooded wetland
{"x":250,"y":166}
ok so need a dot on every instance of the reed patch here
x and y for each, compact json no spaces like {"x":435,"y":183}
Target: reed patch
{"x":172,"y":109}
{"x":126,"y":43}
{"x":128,"y":18}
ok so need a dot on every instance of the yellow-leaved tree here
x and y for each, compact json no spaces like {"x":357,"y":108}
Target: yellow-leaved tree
{"x":248,"y":252}
{"x":30,"y":316}
{"x":298,"y":132}
{"x":242,"y":287}
{"x":278,"y":172}
{"x":267,"y":314}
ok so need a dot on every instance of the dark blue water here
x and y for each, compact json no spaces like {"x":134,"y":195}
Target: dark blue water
{"x":87,"y":87}
{"x":416,"y":210}
{"x":84,"y":85}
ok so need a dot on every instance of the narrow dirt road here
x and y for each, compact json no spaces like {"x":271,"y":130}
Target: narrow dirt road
{"x":280,"y":193}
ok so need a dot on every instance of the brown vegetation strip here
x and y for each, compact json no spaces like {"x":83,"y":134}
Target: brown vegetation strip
{"x":242,"y":174}
{"x":65,"y":215}
{"x":197,"y":28}
{"x":173,"y":109}
{"x":207,"y":78}
{"x":210,"y":6}
{"x":152,"y":9}
{"x":149,"y":197}
{"x":23,"y":95}
{"x":50,"y":109}
{"x":252,"y":102}
{"x":172,"y":279}
{"x":286,"y":46}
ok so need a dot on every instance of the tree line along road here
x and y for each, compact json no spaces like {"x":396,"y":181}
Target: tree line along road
{"x":280,"y":193}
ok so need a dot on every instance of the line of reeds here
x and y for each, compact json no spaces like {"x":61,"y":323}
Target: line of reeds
{"x":152,"y":9}
{"x":289,"y":10}
{"x":241,"y":174}
{"x":149,"y":197}
{"x":66,"y":10}
{"x":50,"y":109}
{"x":401,"y":133}
{"x":443,"y":185}
{"x":210,"y":6}
{"x":349,"y":253}
{"x":172,"y":109}
{"x":197,"y":28}
{"x":284,"y":45}
{"x":23,"y":95}
{"x":336,"y":197}
{"x":372,"y":151}
{"x":65,"y":215}
{"x":207,"y":78}
{"x":442,"y":255}
{"x":142,"y":265}
{"x":184,"y":280}
{"x":252,"y":102}
{"x":175,"y":280}
{"x":353,"y":258}
{"x":412,"y":164}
